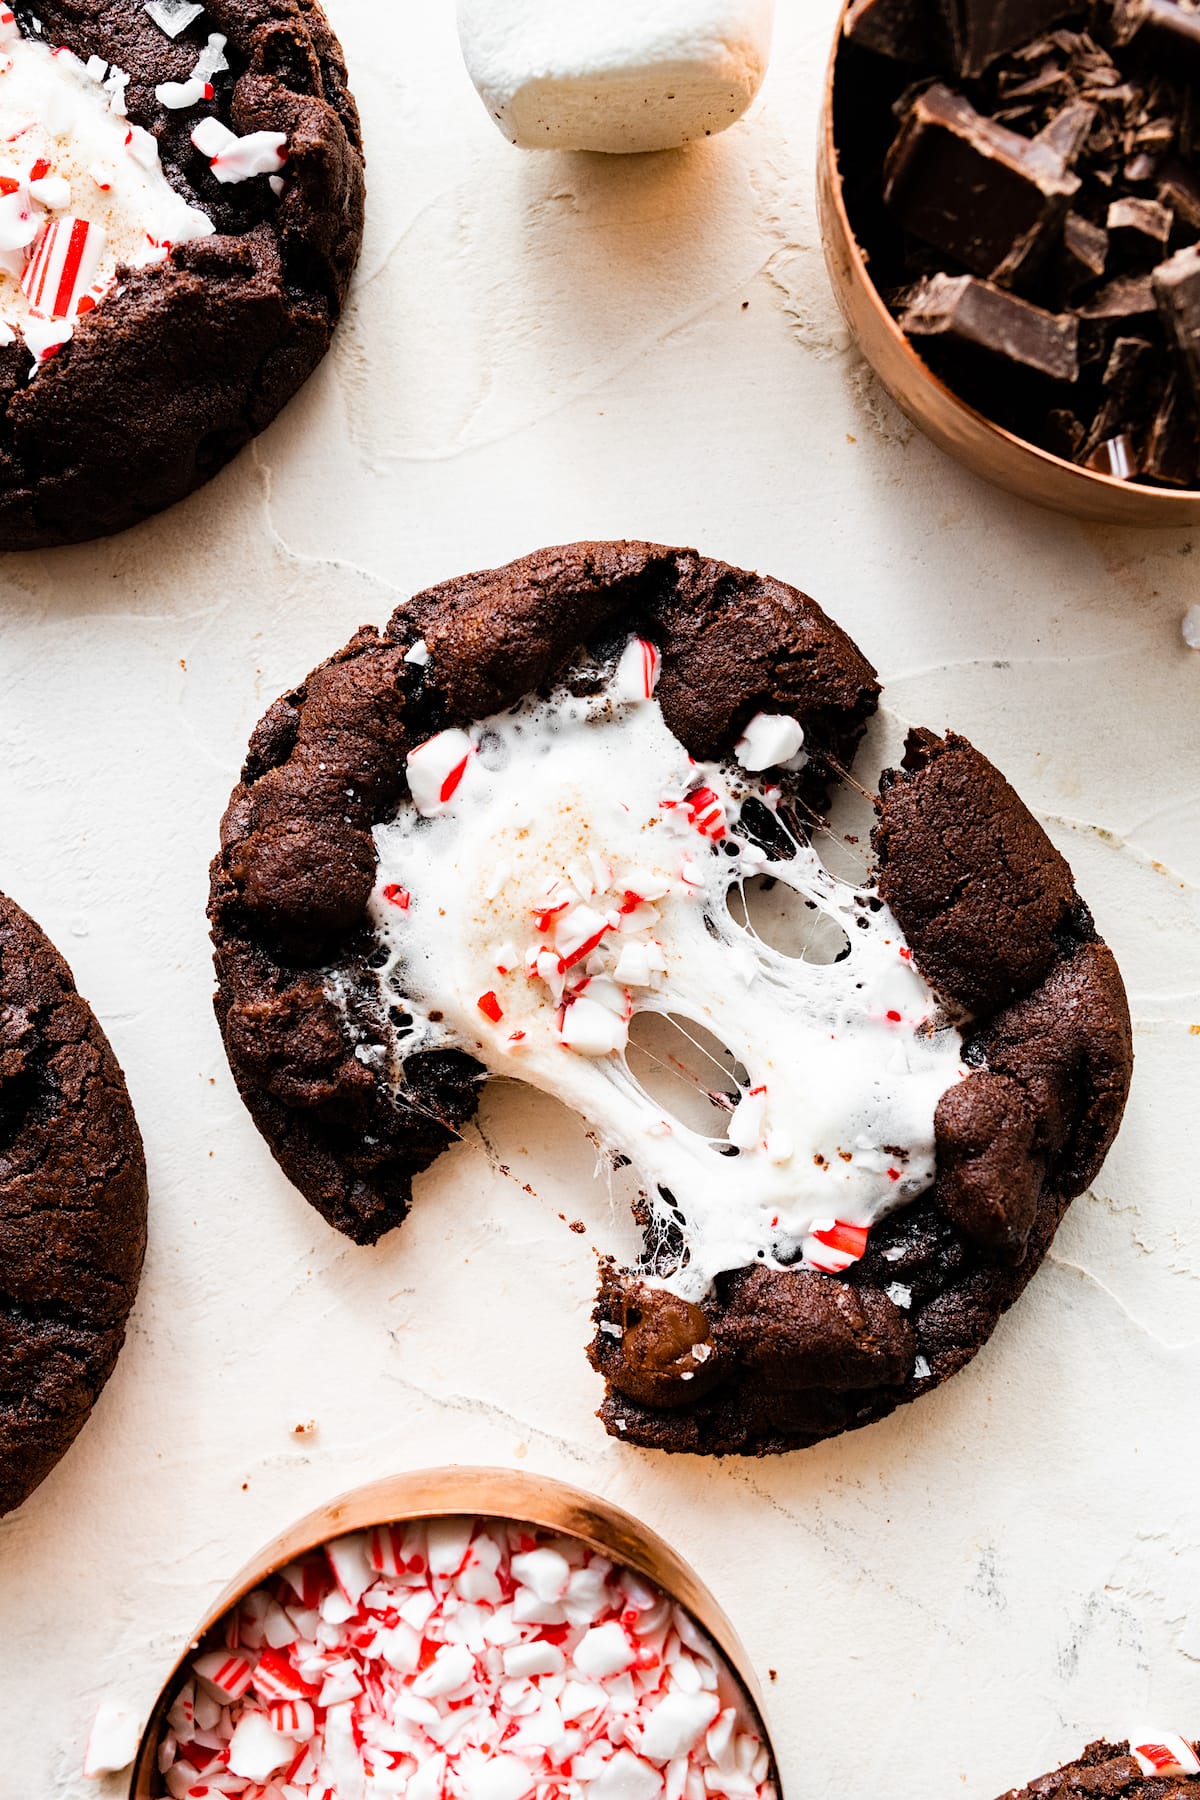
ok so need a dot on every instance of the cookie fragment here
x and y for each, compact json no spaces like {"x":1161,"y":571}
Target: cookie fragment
{"x":72,"y":1208}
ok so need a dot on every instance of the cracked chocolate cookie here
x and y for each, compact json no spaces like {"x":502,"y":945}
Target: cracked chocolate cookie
{"x":566,"y":821}
{"x":181,"y":210}
{"x":72,"y":1208}
{"x":1165,"y":1770}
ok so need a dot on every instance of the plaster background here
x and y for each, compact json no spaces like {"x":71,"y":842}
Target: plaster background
{"x":544,"y":348}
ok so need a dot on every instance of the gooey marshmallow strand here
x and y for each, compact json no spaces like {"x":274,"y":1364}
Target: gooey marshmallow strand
{"x":566,"y":866}
{"x":102,"y":178}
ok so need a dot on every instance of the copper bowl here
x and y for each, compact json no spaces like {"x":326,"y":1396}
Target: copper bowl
{"x":986,"y":449}
{"x":487,"y":1493}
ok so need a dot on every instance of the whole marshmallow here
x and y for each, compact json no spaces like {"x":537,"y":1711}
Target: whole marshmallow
{"x":627,"y":76}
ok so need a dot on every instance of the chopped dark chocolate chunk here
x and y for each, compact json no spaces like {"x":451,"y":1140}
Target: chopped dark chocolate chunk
{"x":1085,"y":252}
{"x":1139,"y":228}
{"x":1036,"y":230}
{"x":981,"y":194}
{"x":1168,"y":28}
{"x":1132,"y":386}
{"x":1177,"y":290}
{"x":982,"y":30}
{"x":1172,"y":453}
{"x":1069,"y":130}
{"x":976,"y":312}
{"x":1179,"y":188}
{"x":1127,"y":299}
{"x":904,"y":29}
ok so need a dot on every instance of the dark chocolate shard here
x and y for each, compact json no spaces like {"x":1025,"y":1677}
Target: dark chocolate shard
{"x":1085,"y":252}
{"x":1126,"y":300}
{"x":906,"y":30}
{"x":1168,"y":29}
{"x":1139,"y":229}
{"x":1172,"y":451}
{"x":1132,"y":386}
{"x":1177,"y":291}
{"x":982,"y":30}
{"x":1069,"y":130}
{"x":1179,"y":188}
{"x":992,"y":200}
{"x":1065,"y":432}
{"x":967,"y":311}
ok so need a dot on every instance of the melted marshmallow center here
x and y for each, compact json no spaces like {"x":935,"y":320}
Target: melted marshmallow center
{"x":567,"y":867}
{"x":82,"y":190}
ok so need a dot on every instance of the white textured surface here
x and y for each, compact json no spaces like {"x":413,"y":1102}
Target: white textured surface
{"x":546,"y":348}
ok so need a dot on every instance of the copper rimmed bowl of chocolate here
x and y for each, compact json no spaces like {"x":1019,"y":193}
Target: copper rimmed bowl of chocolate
{"x":1010,"y":205}
{"x":468,"y":1631}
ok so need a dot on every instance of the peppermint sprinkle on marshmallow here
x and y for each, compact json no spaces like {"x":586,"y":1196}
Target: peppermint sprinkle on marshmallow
{"x":480,"y":1661}
{"x":436,"y":769}
{"x":770,"y":741}
{"x":832,"y":1245}
{"x":637,"y":671}
{"x":1167,"y":1755}
{"x":113,"y":1741}
{"x":63,"y":267}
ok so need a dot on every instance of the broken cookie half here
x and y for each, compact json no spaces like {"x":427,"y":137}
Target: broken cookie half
{"x":525,"y":831}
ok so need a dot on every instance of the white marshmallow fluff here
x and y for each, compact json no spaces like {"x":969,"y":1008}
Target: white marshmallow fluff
{"x":630,"y":75}
{"x":81,"y":189}
{"x":567,"y":869}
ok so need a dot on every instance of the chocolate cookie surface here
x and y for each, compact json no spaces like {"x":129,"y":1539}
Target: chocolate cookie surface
{"x":990,"y":1029}
{"x":72,"y":1208}
{"x":161,"y":299}
{"x":1165,"y":1771}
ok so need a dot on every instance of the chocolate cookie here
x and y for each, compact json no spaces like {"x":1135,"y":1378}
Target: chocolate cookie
{"x":1167,"y":1770}
{"x":526,"y":828}
{"x":72,"y":1208}
{"x":181,"y":210}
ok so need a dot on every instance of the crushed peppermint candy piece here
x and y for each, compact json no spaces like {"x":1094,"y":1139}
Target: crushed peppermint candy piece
{"x":63,"y":266}
{"x":482,"y":1660}
{"x":173,"y":16}
{"x":832,"y":1245}
{"x":113,"y":1741}
{"x":770,"y":741}
{"x":175,"y":95}
{"x":1167,"y":1754}
{"x":436,"y":769}
{"x":234,"y":158}
{"x":637,"y":671}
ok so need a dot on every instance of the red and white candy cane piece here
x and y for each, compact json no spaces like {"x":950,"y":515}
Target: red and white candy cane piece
{"x":832,"y":1245}
{"x":294,"y":1718}
{"x":234,"y":158}
{"x":65,"y":261}
{"x":706,"y":813}
{"x":274,"y":1678}
{"x":351,"y":1569}
{"x":637,"y":671}
{"x":10,"y":31}
{"x":385,"y":1549}
{"x":1167,"y":1755}
{"x":436,"y":769}
{"x":224,"y":1674}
